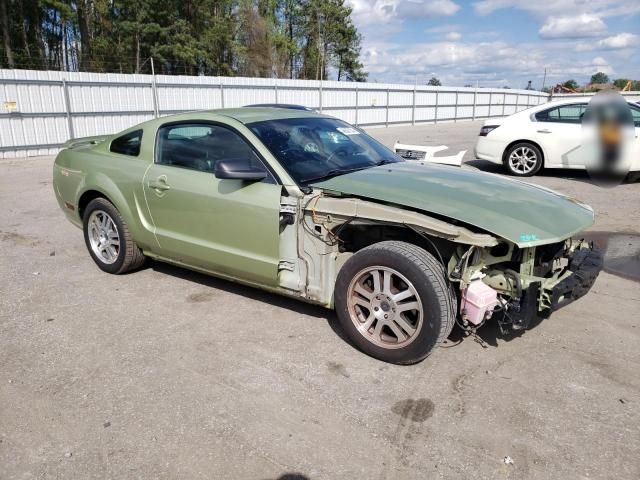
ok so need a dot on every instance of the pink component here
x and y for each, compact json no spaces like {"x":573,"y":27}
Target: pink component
{"x":478,"y":301}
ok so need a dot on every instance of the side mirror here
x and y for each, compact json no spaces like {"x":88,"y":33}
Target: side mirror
{"x":239,"y":170}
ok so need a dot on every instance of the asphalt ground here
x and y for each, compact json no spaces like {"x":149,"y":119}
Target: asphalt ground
{"x":165,"y":373}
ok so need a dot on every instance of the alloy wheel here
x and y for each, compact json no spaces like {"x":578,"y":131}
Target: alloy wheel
{"x":103,"y":236}
{"x":385,"y":307}
{"x":523,"y":160}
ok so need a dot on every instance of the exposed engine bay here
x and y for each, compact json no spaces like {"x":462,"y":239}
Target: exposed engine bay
{"x":491,"y":278}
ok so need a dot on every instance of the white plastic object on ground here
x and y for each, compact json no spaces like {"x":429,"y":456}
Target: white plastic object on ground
{"x":478,"y":301}
{"x":426,"y":153}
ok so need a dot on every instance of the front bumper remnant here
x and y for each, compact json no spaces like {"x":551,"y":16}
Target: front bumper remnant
{"x":585,"y":265}
{"x":541,"y":296}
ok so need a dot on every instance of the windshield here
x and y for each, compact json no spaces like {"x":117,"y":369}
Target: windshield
{"x":316,"y":148}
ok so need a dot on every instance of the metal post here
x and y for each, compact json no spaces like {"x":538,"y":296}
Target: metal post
{"x":490,"y":102}
{"x":413,"y":108}
{"x":154,"y":91}
{"x":435,"y":111}
{"x":275,"y":85}
{"x":455,"y":111}
{"x":386,"y":119}
{"x":504,"y":101}
{"x":517,"y":102}
{"x":67,"y":107}
{"x":475,"y":93}
{"x":356,"y":105}
{"x":221,"y":93}
{"x":320,"y":95}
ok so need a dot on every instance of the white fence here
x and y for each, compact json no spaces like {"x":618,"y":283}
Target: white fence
{"x":40,"y":110}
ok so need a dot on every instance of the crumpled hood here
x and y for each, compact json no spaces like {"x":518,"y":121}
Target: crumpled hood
{"x":524,"y":214}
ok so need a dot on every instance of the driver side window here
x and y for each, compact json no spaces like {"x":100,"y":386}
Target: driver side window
{"x":199,"y":146}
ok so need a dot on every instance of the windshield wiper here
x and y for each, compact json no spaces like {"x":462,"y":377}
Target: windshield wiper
{"x":333,"y":173}
{"x":386,"y":161}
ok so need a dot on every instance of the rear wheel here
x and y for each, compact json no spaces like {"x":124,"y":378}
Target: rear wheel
{"x":108,"y":239}
{"x":523,"y":159}
{"x":393,"y":302}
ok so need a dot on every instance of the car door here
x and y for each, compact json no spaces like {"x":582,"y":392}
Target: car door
{"x":558,"y":130}
{"x":228,"y":226}
{"x":635,"y":148}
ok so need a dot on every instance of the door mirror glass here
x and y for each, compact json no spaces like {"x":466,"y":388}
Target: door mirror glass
{"x":240,"y":170}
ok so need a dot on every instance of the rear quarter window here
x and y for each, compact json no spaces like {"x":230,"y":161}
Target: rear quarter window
{"x":128,"y":144}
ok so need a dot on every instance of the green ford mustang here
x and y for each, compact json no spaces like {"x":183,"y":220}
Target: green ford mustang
{"x":306,"y":205}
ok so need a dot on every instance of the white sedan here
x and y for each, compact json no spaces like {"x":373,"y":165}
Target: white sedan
{"x":547,"y":135}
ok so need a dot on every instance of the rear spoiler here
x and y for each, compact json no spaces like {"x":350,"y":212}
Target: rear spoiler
{"x":85,"y":141}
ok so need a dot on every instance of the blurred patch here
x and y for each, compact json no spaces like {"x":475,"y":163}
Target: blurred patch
{"x":608,"y":138}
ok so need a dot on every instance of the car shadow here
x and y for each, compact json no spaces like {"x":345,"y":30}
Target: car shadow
{"x":581,"y":176}
{"x":487,"y":335}
{"x":280,"y":301}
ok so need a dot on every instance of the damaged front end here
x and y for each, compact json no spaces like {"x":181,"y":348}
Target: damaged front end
{"x":521,"y":285}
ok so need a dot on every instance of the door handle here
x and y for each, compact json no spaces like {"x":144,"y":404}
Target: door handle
{"x":160,"y":184}
{"x":544,"y":131}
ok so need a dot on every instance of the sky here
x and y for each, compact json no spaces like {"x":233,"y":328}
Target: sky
{"x":498,"y":42}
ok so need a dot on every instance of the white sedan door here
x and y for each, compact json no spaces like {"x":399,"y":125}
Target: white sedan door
{"x":558,"y":130}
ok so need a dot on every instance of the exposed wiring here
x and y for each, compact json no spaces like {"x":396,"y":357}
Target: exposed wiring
{"x":333,"y":239}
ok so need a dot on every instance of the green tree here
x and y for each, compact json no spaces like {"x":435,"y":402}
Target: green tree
{"x":620,"y":83}
{"x":434,"y":82}
{"x":571,"y":84}
{"x":599,"y":77}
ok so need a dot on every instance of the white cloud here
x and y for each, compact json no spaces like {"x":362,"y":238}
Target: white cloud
{"x":577,"y":26}
{"x":426,"y":8}
{"x":377,"y":12}
{"x":622,"y":40}
{"x":453,"y":36}
{"x":614,"y":42}
{"x":541,"y":10}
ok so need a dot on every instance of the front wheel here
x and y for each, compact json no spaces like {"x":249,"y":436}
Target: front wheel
{"x":523,"y":159}
{"x":393,"y":302}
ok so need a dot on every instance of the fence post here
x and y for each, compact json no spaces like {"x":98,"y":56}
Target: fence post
{"x":386,"y":118}
{"x":504,"y":100}
{"x":154,"y":91}
{"x":221,"y":94}
{"x":320,"y":95}
{"x":475,"y":93}
{"x":413,"y":109}
{"x":455,"y":109}
{"x":67,"y":107}
{"x":490,"y":103}
{"x":356,"y":104}
{"x":435,"y":110}
{"x":517,"y":102}
{"x":275,"y":87}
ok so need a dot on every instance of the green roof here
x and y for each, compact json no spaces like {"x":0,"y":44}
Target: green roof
{"x":259,"y":114}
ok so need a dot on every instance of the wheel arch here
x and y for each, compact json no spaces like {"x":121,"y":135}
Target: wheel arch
{"x":87,"y":197}
{"x":357,"y":237}
{"x":525,"y":140}
{"x":99,"y":185}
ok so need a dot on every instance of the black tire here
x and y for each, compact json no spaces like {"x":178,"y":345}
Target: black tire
{"x":129,"y":256}
{"x":539,"y":159}
{"x":427,"y":277}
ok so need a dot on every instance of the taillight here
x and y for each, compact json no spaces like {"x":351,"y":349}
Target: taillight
{"x":484,"y":131}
